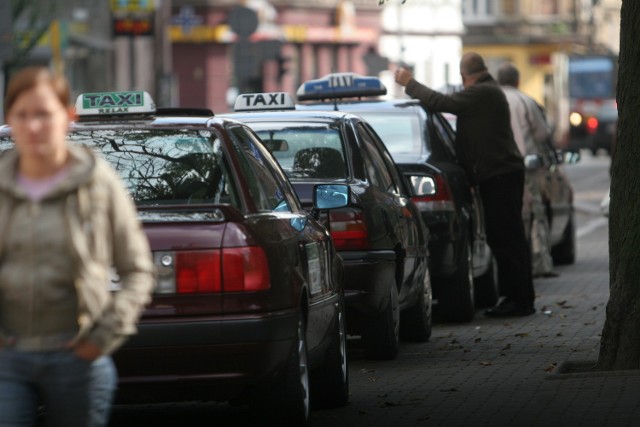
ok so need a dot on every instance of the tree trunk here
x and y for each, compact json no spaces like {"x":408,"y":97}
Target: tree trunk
{"x":620,"y":342}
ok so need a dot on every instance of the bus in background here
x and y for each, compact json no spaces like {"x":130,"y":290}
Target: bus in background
{"x":583,"y":94}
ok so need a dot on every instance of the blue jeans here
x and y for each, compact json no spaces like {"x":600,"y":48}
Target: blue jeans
{"x":74,"y":392}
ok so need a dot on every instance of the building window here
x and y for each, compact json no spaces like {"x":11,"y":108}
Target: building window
{"x":480,"y":11}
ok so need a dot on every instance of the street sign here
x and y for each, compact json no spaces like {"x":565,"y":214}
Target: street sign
{"x":133,"y":26}
{"x":187,"y":19}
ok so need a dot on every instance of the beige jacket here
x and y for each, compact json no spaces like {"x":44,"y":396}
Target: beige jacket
{"x":101,"y":228}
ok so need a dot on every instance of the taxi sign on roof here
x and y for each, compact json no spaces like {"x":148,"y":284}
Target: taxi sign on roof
{"x":114,"y":103}
{"x":264,"y":102}
{"x":341,"y":85}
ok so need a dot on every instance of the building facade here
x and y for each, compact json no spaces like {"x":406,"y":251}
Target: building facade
{"x":222,"y":48}
{"x":529,"y":33}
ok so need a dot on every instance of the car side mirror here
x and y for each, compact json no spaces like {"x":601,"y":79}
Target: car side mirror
{"x":330,"y":196}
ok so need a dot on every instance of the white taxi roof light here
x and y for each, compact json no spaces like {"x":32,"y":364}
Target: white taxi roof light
{"x":341,"y":85}
{"x":114,"y":103}
{"x":264,"y":102}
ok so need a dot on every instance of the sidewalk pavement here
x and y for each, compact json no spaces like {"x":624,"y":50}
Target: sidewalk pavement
{"x":497,"y":372}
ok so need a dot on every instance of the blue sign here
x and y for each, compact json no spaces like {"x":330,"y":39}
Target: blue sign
{"x":341,"y":85}
{"x":187,"y":19}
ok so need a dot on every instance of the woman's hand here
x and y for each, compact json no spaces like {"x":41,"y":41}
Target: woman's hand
{"x":87,"y":350}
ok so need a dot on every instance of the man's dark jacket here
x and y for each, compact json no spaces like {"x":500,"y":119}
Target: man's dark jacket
{"x":484,"y":140}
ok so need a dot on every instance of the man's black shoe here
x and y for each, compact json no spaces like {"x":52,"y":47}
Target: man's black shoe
{"x":509,"y":309}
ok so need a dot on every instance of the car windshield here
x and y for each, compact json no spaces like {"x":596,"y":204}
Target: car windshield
{"x":401,"y":132}
{"x":305,"y":150}
{"x":164,"y":167}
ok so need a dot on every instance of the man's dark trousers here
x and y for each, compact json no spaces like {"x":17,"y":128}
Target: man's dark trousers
{"x":502,"y":202}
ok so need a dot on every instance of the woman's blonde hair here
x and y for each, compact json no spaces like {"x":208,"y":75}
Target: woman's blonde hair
{"x":27,"y":78}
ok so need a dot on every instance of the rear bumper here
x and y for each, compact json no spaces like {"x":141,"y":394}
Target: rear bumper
{"x":227,"y":352}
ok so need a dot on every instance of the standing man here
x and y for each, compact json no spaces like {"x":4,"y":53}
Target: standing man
{"x":488,"y":152}
{"x":531,"y":132}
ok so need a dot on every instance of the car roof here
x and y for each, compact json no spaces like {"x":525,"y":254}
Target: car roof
{"x":362,"y":104}
{"x":153,"y":121}
{"x":293,"y":115}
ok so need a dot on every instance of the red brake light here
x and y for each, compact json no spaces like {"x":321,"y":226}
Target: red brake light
{"x":245,"y":269}
{"x":241,"y":269}
{"x":198,"y":271}
{"x":349,"y":230}
{"x":592,"y":124}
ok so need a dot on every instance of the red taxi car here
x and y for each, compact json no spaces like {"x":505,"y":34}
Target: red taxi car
{"x":248,"y":301}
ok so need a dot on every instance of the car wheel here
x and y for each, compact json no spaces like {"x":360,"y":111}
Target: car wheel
{"x":330,"y":381}
{"x":487,"y":286}
{"x":287,"y":402}
{"x":565,"y":252}
{"x":381,"y":333}
{"x":458,"y":296}
{"x":415,"y":321}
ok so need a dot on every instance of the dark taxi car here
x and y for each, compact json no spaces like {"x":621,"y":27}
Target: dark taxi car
{"x":461,"y":264}
{"x":379,"y":234}
{"x":248,"y":300}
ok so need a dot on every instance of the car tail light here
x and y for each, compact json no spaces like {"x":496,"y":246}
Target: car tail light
{"x":349,"y":230}
{"x":440,"y":200}
{"x":197,"y":271}
{"x":237,"y":269}
{"x":592,"y":125}
{"x":245,"y":269}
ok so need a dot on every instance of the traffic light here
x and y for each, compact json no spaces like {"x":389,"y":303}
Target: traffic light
{"x":282,"y":66}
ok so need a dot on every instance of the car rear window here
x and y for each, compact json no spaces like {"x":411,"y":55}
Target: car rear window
{"x":305,"y":151}
{"x":165,"y":166}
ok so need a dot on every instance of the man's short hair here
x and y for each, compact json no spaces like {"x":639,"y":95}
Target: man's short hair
{"x":472,"y":63}
{"x":508,"y":74}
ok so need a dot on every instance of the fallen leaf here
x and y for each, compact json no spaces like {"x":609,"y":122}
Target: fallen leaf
{"x":522,"y":335}
{"x":561,"y":303}
{"x":551,"y":367}
{"x":485,"y":363}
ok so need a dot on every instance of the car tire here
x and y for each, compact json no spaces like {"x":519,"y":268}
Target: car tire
{"x":415,"y":321}
{"x":457,"y":302}
{"x":487,"y":287}
{"x":564,"y":253}
{"x":330,"y":381}
{"x":381,"y":333}
{"x":287,"y":402}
